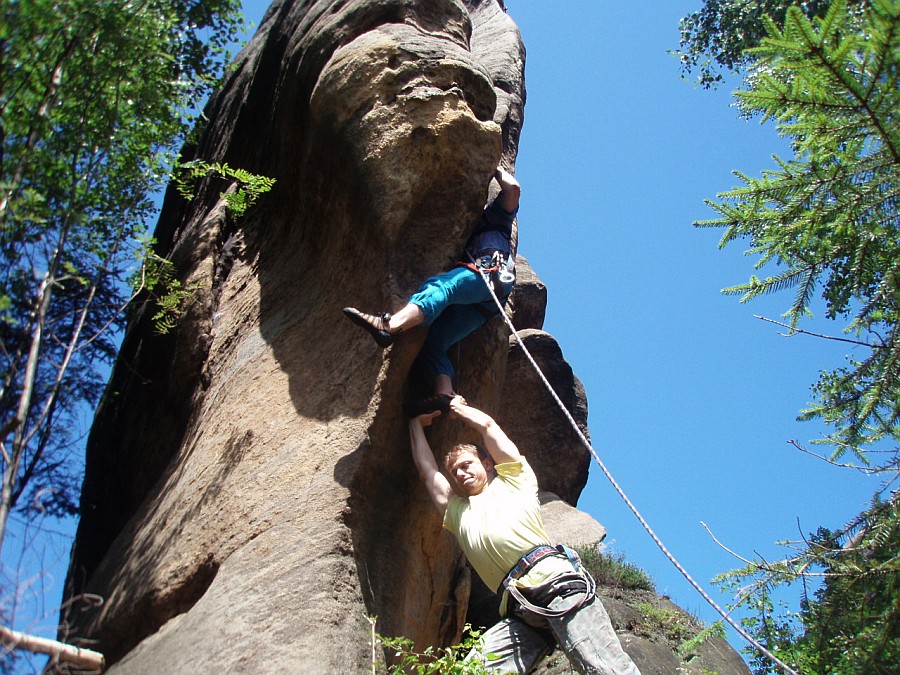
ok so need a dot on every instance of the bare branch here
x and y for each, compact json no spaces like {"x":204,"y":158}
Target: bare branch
{"x":766,"y":567}
{"x":725,"y":548}
{"x":800,"y":331}
{"x":58,"y":651}
{"x":8,"y":428}
{"x":863,"y":469}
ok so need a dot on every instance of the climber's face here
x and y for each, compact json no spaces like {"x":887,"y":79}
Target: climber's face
{"x":470,"y":475}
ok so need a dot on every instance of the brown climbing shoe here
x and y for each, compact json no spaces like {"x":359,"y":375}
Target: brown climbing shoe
{"x":423,"y":406}
{"x":376,"y":325}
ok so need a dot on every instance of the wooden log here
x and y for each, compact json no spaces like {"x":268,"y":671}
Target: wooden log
{"x":58,"y":651}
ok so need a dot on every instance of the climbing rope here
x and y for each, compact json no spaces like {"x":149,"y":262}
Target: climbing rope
{"x":662,"y":547}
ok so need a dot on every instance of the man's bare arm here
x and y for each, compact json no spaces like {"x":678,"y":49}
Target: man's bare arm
{"x":510,"y":190}
{"x":435,"y":482}
{"x":496,"y":442}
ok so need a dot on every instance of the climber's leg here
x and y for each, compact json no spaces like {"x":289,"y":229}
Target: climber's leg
{"x":409,"y":316}
{"x":511,"y":646}
{"x":433,"y":364}
{"x":589,"y":640}
{"x":458,"y":286}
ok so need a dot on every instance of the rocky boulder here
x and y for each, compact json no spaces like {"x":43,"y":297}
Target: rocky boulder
{"x":249,"y":500}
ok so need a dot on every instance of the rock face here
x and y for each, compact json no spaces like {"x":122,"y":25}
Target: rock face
{"x":249,"y":499}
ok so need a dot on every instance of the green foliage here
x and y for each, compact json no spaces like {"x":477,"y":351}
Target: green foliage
{"x":431,"y":661}
{"x":853,"y":624}
{"x":157,"y":276}
{"x":671,"y":623}
{"x":95,"y":97}
{"x":689,"y":647}
{"x":776,"y":628}
{"x":828,"y":217}
{"x":719,"y":35}
{"x":248,"y":187}
{"x":613,"y":570}
{"x":827,"y":222}
{"x":850,"y":625}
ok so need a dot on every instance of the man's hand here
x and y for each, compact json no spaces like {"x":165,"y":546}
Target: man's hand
{"x":426,"y":419}
{"x":456,"y":405}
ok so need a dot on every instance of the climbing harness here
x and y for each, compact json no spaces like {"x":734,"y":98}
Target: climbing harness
{"x":526,"y":562}
{"x":662,"y":547}
{"x":496,"y":268}
{"x":535,"y":555}
{"x":563,"y":585}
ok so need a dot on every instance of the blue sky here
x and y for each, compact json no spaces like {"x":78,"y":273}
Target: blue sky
{"x":691,"y":400}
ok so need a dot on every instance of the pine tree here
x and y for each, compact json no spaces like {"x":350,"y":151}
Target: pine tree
{"x":827,"y":221}
{"x":829,"y":216}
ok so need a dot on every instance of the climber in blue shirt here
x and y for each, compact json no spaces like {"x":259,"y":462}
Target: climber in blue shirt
{"x":455,"y":303}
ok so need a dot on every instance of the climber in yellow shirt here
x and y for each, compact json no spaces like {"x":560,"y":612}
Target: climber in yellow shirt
{"x":489,"y":502}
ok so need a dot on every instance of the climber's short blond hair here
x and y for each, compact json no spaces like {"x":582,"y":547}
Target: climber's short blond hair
{"x":459,"y":449}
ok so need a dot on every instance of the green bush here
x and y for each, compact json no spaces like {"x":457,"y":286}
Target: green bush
{"x":432,"y":660}
{"x":612,"y":570}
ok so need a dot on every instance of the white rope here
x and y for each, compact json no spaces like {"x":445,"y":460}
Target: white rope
{"x":612,"y":480}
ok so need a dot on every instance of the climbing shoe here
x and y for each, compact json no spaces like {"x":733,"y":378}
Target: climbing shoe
{"x":423,"y":406}
{"x":376,"y":325}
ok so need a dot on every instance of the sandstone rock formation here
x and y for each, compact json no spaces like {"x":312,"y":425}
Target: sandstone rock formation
{"x":249,"y":499}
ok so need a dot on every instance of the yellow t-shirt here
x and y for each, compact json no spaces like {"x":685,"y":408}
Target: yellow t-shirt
{"x":500,"y":525}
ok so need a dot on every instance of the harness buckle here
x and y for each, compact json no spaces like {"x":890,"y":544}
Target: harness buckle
{"x":526,"y":562}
